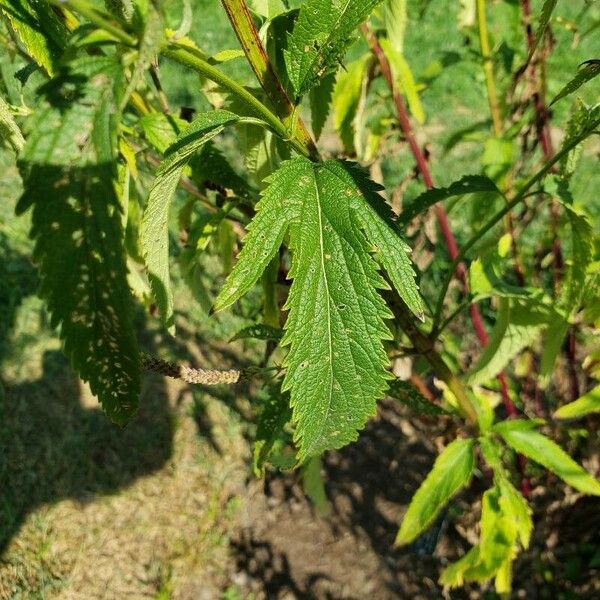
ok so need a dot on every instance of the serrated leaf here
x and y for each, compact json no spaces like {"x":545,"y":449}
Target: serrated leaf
{"x":390,"y":250}
{"x":161,"y":130}
{"x":320,"y":103}
{"x":470,"y":184}
{"x":346,"y":98}
{"x":123,"y":8}
{"x":336,"y":366}
{"x":521,"y":436}
{"x":407,"y":393}
{"x":404,"y":79}
{"x":154,"y":229}
{"x":68,"y":169}
{"x":451,"y":471}
{"x":258,"y":332}
{"x":518,"y":325}
{"x":9,"y":129}
{"x":587,"y":72}
{"x":39,"y":29}
{"x":588,"y":403}
{"x":516,"y":508}
{"x":322,"y":33}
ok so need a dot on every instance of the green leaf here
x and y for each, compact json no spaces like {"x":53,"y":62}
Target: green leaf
{"x":161,"y":130}
{"x":404,"y":79}
{"x":68,"y":169}
{"x":395,"y":17}
{"x":451,"y":471}
{"x":407,"y":393}
{"x":154,"y":229}
{"x":470,"y":184}
{"x":258,"y":332}
{"x":322,"y":33}
{"x":123,"y":8}
{"x":275,"y":413}
{"x":267,"y":8}
{"x":587,"y":71}
{"x":587,"y":404}
{"x":584,"y":119}
{"x":320,"y":98}
{"x":390,"y":250}
{"x":39,"y":29}
{"x":336,"y":366}
{"x":8,"y":127}
{"x":346,"y":98}
{"x":520,"y":436}
{"x":515,"y":507}
{"x":518,"y":325}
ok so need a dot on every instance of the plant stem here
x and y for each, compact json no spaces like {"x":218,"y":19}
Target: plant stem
{"x":488,"y":68}
{"x":247,"y":34}
{"x":98,"y":18}
{"x":458,"y":267}
{"x":186,"y":56}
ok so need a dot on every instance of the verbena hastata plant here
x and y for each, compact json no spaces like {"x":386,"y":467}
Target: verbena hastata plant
{"x":101,"y":121}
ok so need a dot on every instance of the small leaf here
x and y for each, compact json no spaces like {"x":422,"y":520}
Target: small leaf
{"x":395,"y":18}
{"x":518,"y":325}
{"x":404,"y":79}
{"x":8,"y":127}
{"x":346,"y":99}
{"x":154,"y":229}
{"x":587,"y":71}
{"x":547,"y":10}
{"x":515,"y":507}
{"x":258,"y":332}
{"x":520,"y":436}
{"x":314,"y":486}
{"x":407,"y":393}
{"x":587,"y":404}
{"x":323,"y":31}
{"x":451,"y":471}
{"x":471,"y":184}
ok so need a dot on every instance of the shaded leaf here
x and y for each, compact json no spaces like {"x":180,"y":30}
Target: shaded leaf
{"x":320,"y":98}
{"x":314,"y":486}
{"x":154,"y":229}
{"x":407,"y":393}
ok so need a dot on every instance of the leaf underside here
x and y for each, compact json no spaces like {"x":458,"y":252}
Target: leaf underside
{"x":336,"y":366}
{"x":68,"y":170}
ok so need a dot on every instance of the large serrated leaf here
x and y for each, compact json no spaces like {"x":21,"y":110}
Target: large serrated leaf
{"x":336,"y":366}
{"x":470,"y":184}
{"x":451,"y":471}
{"x":68,"y":168}
{"x":522,"y":437}
{"x":322,"y":33}
{"x":154,"y":229}
{"x":39,"y":29}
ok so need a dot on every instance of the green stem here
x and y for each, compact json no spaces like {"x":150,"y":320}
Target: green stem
{"x":97,"y":18}
{"x":500,"y":215}
{"x":488,"y":68}
{"x":186,"y":56}
{"x":247,"y":34}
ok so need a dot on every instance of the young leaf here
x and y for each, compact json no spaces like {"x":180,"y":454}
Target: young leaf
{"x":336,"y":363}
{"x":470,"y":184}
{"x":346,"y":98}
{"x":9,"y":128}
{"x":320,"y":103}
{"x":395,"y":18}
{"x":587,"y":71}
{"x":39,"y":29}
{"x":587,"y":404}
{"x":154,"y":229}
{"x":451,"y":471}
{"x":323,"y":31}
{"x":521,"y":436}
{"x":518,"y":325}
{"x":68,"y":169}
{"x":404,"y":79}
{"x":515,"y":507}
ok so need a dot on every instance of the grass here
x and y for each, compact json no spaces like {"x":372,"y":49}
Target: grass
{"x":88,"y":510}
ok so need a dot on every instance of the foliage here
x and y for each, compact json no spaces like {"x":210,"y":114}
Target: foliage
{"x":106,"y":163}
